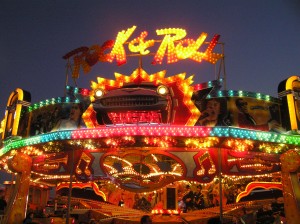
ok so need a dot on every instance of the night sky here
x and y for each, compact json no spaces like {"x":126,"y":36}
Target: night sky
{"x":262,"y":40}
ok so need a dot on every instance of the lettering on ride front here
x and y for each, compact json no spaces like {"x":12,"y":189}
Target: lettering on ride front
{"x":173,"y":45}
{"x":135,"y":117}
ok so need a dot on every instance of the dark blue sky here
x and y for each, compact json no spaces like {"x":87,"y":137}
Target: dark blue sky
{"x":262,"y":40}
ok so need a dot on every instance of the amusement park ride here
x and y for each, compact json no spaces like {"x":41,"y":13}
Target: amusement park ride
{"x":150,"y":134}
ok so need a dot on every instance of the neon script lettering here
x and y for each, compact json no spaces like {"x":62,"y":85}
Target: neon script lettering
{"x":173,"y":46}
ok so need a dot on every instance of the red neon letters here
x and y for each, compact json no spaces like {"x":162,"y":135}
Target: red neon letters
{"x":172,"y":45}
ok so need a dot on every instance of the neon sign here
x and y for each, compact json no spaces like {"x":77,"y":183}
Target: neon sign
{"x":134,"y":117}
{"x":174,"y":46}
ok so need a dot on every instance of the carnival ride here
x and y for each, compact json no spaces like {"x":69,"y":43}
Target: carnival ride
{"x":148,"y":135}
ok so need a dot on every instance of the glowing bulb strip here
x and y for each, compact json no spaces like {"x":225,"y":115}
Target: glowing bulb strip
{"x":240,"y":93}
{"x":72,"y":91}
{"x":52,"y":102}
{"x":120,"y":79}
{"x":155,"y":130}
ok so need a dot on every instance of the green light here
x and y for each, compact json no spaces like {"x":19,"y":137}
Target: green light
{"x":258,"y":95}
{"x":209,"y":84}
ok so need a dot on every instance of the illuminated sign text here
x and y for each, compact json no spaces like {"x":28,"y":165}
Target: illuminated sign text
{"x":134,"y":117}
{"x":173,"y":45}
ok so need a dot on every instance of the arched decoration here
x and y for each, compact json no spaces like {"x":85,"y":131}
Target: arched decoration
{"x":92,"y":185}
{"x":16,"y":210}
{"x":289,"y":92}
{"x":138,"y":171}
{"x":290,"y":169}
{"x":257,"y":185}
{"x":16,"y":101}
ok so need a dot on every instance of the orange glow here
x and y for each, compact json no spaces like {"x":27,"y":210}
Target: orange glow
{"x":239,"y":145}
{"x":208,"y":55}
{"x":191,"y":48}
{"x":178,"y":82}
{"x":142,"y":45}
{"x":89,"y":117}
{"x":201,"y":143}
{"x":173,"y":46}
{"x":12,"y":116}
{"x":168,"y":43}
{"x":106,"y":45}
{"x":253,"y":185}
{"x":163,"y":142}
{"x":291,"y":84}
{"x":118,"y":50}
{"x":83,"y":185}
{"x":2,"y":126}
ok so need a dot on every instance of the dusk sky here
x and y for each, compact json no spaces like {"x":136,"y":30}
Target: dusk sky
{"x":262,"y":40}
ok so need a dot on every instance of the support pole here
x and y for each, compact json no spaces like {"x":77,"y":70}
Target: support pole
{"x":70,"y":188}
{"x":220,"y":184}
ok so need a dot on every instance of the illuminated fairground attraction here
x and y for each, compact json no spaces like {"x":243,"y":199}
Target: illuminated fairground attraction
{"x":153,"y":144}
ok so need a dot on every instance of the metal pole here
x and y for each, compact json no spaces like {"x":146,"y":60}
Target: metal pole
{"x":67,"y":77}
{"x":70,"y":188}
{"x":220,"y":184}
{"x":224,"y":70}
{"x":140,"y":62}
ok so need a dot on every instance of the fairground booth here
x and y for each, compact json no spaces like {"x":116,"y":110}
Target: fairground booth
{"x":156,"y":144}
